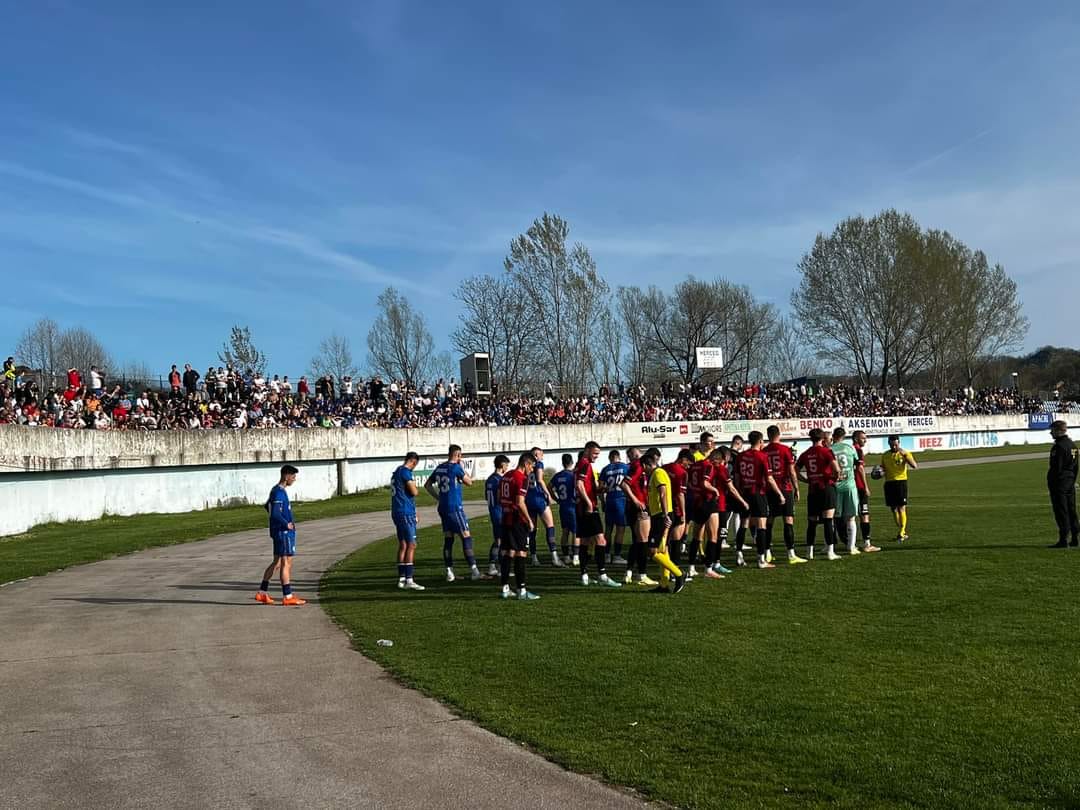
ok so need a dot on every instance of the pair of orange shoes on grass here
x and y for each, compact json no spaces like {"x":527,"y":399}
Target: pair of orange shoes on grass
{"x":292,"y":599}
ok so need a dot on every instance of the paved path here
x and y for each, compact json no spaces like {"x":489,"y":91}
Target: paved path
{"x":153,"y":680}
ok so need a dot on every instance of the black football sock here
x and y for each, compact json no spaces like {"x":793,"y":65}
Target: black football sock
{"x":811,"y":533}
{"x":866,"y":531}
{"x":692,"y":554}
{"x":504,"y":569}
{"x":740,"y":538}
{"x":789,"y":536}
{"x":760,"y":540}
{"x":768,"y":537}
{"x":830,"y":534}
{"x":601,"y":555}
{"x":583,"y":559}
{"x":519,"y":572}
{"x":711,"y":552}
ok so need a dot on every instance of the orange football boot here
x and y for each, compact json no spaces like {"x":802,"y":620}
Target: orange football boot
{"x":264,"y":598}
{"x":293,"y":599}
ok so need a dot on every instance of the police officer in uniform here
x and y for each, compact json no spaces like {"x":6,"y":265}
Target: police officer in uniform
{"x":1061,"y":480}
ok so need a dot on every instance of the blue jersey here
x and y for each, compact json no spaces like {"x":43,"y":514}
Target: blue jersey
{"x":535,"y":493}
{"x":447,"y":477}
{"x":564,"y":489}
{"x":491,"y":494}
{"x":612,"y":477}
{"x":401,"y":502}
{"x":280,"y":510}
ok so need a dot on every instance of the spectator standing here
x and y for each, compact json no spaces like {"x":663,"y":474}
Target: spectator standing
{"x":174,"y":381}
{"x":191,"y":379}
{"x":97,"y":382}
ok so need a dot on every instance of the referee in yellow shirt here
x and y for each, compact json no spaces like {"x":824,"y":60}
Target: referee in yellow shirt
{"x":660,"y":510}
{"x":896,"y":463}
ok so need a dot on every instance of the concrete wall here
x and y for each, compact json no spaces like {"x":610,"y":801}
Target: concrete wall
{"x":60,"y":475}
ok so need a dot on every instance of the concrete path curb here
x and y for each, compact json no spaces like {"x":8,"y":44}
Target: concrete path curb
{"x":154,"y":680}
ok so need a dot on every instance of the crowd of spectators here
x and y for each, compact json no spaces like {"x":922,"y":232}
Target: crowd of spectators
{"x":225,"y":398}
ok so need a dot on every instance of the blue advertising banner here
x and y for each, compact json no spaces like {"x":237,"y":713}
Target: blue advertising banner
{"x":1040,"y":421}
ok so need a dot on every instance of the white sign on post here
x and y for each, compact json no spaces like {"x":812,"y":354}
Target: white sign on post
{"x":709,"y":357}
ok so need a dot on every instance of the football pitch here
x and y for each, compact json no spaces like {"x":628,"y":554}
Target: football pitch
{"x":938,"y":673}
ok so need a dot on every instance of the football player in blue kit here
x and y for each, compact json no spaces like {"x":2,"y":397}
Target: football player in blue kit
{"x":444,"y":484}
{"x":564,"y":490}
{"x":611,"y":478}
{"x":538,"y":501}
{"x":491,"y":495}
{"x":403,"y":512}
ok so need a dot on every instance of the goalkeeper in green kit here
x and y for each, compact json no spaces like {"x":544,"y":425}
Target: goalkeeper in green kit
{"x":847,"y":500}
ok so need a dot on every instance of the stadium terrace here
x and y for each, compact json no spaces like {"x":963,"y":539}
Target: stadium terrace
{"x":224,"y":398}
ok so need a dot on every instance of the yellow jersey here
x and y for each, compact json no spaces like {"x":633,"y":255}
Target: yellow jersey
{"x":699,"y":456}
{"x":659,"y":478}
{"x":896,"y":464}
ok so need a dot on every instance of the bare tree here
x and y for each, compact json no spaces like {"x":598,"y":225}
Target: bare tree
{"x":609,"y":357}
{"x":136,"y":374}
{"x":80,"y":349}
{"x":39,"y":349}
{"x":334,"y":357}
{"x":788,"y":359}
{"x":399,"y":343}
{"x":978,"y":314}
{"x":493,"y":322}
{"x":667,"y":329}
{"x":241,"y":353}
{"x":560,"y":283}
{"x":639,"y":350}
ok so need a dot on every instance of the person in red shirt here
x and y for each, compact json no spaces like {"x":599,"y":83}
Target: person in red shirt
{"x":715,"y":493}
{"x":858,"y":439}
{"x":782,"y":465}
{"x":517,"y":524}
{"x":678,"y":473}
{"x":703,"y":508}
{"x":73,"y":378}
{"x":635,"y":485}
{"x":755,"y":482}
{"x":817,"y":466}
{"x":590,"y":527}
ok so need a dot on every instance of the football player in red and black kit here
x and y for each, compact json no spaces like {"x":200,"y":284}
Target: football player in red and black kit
{"x":782,"y":465}
{"x":678,"y":472}
{"x":589,"y":525}
{"x":755,"y":483}
{"x":858,"y":439}
{"x":516,"y":527}
{"x":819,"y":468}
{"x":636,"y":487}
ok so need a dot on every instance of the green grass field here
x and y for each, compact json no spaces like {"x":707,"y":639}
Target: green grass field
{"x":53,"y":546}
{"x":939,"y":673}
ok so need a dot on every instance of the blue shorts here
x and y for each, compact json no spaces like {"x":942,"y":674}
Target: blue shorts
{"x":536,"y":506}
{"x":568,"y":520}
{"x":454,"y":522}
{"x":284,"y":543}
{"x":615,"y":514}
{"x":496,"y":525}
{"x":406,"y":528}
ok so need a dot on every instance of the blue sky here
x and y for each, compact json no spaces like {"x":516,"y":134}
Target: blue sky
{"x":167,"y":170}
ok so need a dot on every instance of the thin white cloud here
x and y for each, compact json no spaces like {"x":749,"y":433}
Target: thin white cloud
{"x":260,"y":233}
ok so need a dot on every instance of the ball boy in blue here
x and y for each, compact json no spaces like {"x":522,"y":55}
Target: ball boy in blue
{"x":283,"y":534}
{"x":403,"y":512}
{"x":444,"y":484}
{"x":495,"y":513}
